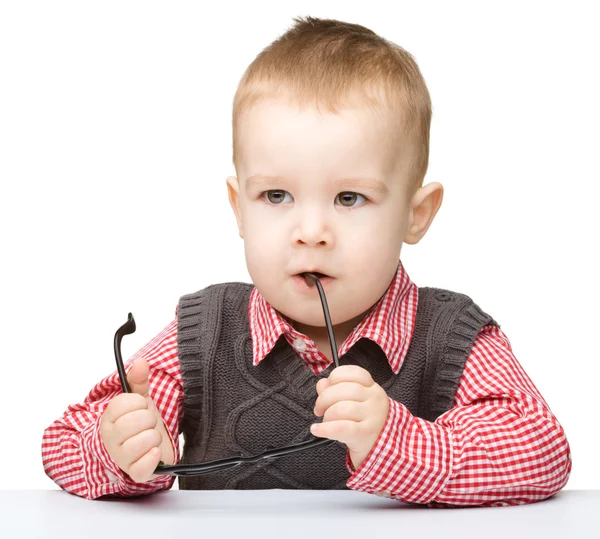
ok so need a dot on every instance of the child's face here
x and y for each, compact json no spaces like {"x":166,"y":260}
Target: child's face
{"x":314,"y":214}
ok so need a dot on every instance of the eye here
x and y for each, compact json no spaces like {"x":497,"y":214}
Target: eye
{"x":274,"y":196}
{"x":347,"y":199}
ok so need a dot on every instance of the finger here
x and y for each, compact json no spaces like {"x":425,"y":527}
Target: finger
{"x":138,"y":377}
{"x":344,"y":431}
{"x":351,"y":373}
{"x":123,"y":404}
{"x":141,"y":470}
{"x":322,"y":385}
{"x":128,"y":425}
{"x":350,"y":410}
{"x":344,"y":391}
{"x":137,"y":446}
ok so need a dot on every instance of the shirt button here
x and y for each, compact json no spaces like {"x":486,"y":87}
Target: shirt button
{"x":299,"y":345}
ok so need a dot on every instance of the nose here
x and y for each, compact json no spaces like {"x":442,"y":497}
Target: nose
{"x":314,"y":227}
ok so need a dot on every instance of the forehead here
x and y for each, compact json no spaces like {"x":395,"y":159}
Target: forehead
{"x":277,"y":137}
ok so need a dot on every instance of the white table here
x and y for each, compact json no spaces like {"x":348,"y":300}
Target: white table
{"x":288,"y":514}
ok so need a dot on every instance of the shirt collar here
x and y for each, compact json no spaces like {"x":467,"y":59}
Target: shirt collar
{"x":389,"y":323}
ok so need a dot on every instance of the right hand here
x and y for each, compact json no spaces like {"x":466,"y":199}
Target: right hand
{"x":133,"y":431}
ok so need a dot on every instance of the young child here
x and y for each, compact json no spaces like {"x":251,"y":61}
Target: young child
{"x":429,"y":405}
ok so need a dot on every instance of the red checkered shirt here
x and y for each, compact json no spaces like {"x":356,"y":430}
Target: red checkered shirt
{"x":499,"y":445}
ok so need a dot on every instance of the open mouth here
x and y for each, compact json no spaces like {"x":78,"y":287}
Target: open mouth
{"x":316,"y":273}
{"x":307,"y":283}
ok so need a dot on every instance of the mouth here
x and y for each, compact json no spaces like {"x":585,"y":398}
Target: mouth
{"x":305,"y":281}
{"x":318,"y":274}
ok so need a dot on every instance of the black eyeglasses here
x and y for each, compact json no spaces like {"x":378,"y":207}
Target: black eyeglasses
{"x":222,"y":464}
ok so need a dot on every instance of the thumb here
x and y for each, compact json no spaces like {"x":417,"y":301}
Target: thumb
{"x":137,"y":377}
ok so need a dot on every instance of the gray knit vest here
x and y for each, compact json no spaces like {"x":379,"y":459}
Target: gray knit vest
{"x":234,"y":408}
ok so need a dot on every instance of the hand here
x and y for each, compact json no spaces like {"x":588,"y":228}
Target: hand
{"x":354,"y":410}
{"x":133,"y":431}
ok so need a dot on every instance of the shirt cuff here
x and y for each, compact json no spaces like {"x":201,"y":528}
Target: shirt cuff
{"x":410,"y":461}
{"x":174,"y":444}
{"x":358,"y":475}
{"x":105,"y":477}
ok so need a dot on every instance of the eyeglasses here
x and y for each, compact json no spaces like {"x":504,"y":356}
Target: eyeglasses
{"x":222,"y":464}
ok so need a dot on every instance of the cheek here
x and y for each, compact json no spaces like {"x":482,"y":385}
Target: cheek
{"x":262,"y":240}
{"x":376,"y":232}
{"x":374,"y":249}
{"x":262,"y":228}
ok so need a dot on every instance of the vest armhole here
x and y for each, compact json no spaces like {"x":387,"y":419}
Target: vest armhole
{"x":456,"y":351}
{"x":458,"y":322}
{"x":188,"y":348}
{"x":199,"y":328}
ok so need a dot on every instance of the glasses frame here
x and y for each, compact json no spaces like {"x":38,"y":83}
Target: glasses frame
{"x":129,"y":327}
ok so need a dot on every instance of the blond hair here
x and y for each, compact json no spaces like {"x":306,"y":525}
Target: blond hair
{"x":324,"y":62}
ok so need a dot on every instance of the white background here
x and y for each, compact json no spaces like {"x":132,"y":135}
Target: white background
{"x":115,"y":142}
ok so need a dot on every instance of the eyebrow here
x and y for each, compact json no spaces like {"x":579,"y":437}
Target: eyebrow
{"x":370,"y":183}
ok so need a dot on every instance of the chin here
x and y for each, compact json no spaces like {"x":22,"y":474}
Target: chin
{"x":304,"y":318}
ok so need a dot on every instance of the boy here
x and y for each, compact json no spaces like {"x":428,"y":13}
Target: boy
{"x":429,"y":405}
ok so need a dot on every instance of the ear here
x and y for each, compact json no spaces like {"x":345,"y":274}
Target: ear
{"x":425,"y":204}
{"x":233,"y":191}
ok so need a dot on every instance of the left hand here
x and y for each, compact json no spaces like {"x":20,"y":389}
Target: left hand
{"x":354,"y":410}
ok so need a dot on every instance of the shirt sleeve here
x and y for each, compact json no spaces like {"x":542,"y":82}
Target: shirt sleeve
{"x":73,"y":453}
{"x":499,"y":445}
